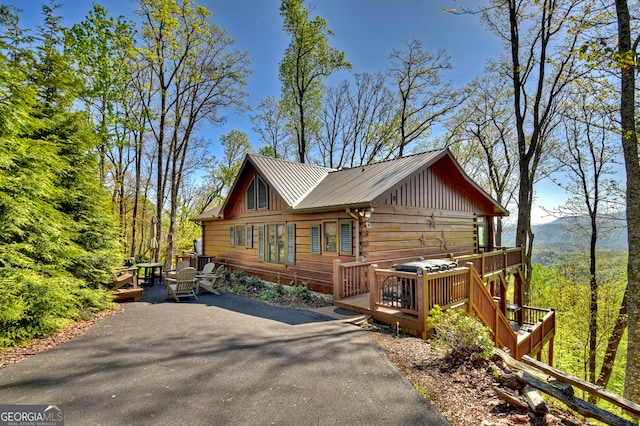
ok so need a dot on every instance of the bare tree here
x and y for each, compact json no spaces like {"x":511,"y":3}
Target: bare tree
{"x":423,"y":97}
{"x":587,"y":158}
{"x":270,"y":124}
{"x":626,"y":60}
{"x":221,"y":173}
{"x":358,"y":122}
{"x":196,"y":76}
{"x":482,"y":136}
{"x":541,"y":39}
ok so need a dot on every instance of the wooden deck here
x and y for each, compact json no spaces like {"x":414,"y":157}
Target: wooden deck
{"x":405,"y":299}
{"x":360,"y":303}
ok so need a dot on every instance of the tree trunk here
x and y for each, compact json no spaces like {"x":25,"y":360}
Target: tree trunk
{"x":632,"y":167}
{"x":524,"y":237}
{"x":593,"y":305}
{"x":614,"y":342}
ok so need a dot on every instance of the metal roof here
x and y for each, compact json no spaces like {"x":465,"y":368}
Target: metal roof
{"x":291,"y":180}
{"x":307,"y":187}
{"x":361,"y":185}
{"x":213,"y":213}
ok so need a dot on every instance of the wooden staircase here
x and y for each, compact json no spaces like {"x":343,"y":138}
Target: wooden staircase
{"x":530,"y":338}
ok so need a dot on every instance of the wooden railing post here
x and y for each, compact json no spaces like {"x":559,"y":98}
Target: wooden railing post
{"x":373,"y":288}
{"x":470,"y":304}
{"x":423,"y":303}
{"x":338,"y":280}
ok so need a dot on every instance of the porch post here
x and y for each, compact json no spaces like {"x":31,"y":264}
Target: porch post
{"x":337,"y":280}
{"x":373,"y":288}
{"x":422,"y":297}
{"x":470,"y":303}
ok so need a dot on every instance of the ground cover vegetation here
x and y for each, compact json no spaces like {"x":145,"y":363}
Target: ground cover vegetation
{"x":97,"y":169}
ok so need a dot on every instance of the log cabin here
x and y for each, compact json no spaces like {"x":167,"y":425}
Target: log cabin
{"x":342,"y":232}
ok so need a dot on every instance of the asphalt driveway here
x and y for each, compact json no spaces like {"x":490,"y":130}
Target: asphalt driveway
{"x":221,"y":360}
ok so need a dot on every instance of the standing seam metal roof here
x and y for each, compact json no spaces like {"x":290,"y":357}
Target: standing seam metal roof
{"x":291,"y":180}
{"x":361,"y":185}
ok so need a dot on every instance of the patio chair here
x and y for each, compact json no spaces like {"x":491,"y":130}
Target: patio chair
{"x":173,"y":273}
{"x":182,"y":285}
{"x":209,"y":281}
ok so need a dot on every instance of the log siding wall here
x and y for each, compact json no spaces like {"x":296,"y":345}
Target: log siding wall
{"x":426,"y":215}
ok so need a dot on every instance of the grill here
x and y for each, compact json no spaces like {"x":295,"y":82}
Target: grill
{"x":429,"y":265}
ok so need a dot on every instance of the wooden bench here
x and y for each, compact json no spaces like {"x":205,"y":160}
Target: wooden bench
{"x":128,"y":293}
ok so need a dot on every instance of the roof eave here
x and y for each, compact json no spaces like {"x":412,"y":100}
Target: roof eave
{"x":359,"y":205}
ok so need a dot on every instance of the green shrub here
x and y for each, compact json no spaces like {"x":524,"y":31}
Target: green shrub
{"x":238,"y":277}
{"x":255,"y":282}
{"x":269,"y":294}
{"x":459,"y":333}
{"x":301,"y":291}
{"x":34,"y":305}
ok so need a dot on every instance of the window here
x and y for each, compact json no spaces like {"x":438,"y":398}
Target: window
{"x":249,"y":239}
{"x":330,"y":234}
{"x":315,"y":239}
{"x":261,"y":243}
{"x":237,"y":235}
{"x":291,"y":243}
{"x":275,"y":243}
{"x":346,"y":239}
{"x":251,"y":195}
{"x":263,"y":194}
{"x":257,"y":194}
{"x":483,"y":236}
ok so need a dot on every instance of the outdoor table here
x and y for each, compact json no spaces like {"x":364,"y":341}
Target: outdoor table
{"x":150,"y":273}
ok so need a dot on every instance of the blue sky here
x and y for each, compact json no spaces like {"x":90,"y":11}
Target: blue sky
{"x":366,"y":30}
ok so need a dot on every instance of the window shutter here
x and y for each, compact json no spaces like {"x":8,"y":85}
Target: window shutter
{"x":261,"y":243}
{"x":291,"y":243}
{"x":346,"y":239}
{"x":315,"y":239}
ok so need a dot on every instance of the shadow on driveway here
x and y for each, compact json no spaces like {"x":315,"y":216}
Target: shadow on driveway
{"x":219,"y":360}
{"x":232,"y":302}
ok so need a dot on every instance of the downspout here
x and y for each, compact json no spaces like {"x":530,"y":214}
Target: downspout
{"x":357,"y":219}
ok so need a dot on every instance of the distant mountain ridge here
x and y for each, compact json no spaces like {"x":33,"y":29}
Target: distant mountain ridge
{"x":569,"y":234}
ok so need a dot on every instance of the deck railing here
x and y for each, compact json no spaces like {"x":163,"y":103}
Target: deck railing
{"x":416,"y":295}
{"x":396,"y":290}
{"x":352,"y":279}
{"x":494,"y":261}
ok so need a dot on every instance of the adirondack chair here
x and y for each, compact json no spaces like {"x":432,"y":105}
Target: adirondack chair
{"x":173,"y":273}
{"x":182,"y":285}
{"x":208,"y":280}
